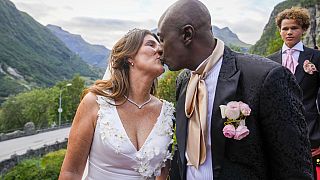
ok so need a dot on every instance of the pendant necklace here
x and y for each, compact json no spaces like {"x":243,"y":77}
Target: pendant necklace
{"x":139,"y":106}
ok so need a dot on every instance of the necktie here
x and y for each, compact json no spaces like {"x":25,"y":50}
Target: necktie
{"x":196,"y":108}
{"x":289,"y":62}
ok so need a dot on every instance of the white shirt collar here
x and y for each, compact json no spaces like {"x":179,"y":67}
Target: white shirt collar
{"x":298,"y":46}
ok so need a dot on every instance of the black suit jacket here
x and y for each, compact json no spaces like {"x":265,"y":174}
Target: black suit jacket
{"x":310,"y":87}
{"x":277,"y":146}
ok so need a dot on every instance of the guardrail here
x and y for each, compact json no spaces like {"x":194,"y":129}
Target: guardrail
{"x":28,"y":132}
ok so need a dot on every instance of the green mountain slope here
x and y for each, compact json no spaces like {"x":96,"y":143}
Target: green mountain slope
{"x":96,"y":55}
{"x":31,"y":56}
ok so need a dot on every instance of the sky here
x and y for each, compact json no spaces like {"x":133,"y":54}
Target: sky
{"x":103,"y":22}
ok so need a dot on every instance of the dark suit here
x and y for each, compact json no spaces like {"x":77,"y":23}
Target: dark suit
{"x":310,"y":87}
{"x":276,"y":113}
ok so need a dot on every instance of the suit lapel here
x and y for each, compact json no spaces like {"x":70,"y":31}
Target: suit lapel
{"x":304,"y":55}
{"x":278,"y":57}
{"x":226,"y":91}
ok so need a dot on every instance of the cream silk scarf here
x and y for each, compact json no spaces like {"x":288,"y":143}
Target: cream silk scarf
{"x":196,"y":108}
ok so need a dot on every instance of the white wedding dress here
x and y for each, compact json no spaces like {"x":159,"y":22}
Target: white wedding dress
{"x":114,"y":157}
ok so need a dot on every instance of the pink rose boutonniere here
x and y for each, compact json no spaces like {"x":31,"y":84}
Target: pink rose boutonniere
{"x":309,"y":67}
{"x":235,"y":113}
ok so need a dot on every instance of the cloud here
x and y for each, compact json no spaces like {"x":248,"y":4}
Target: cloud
{"x":103,"y":31}
{"x":43,"y":12}
{"x":246,"y":18}
{"x":249,"y":33}
{"x":98,"y":20}
{"x":39,"y":10}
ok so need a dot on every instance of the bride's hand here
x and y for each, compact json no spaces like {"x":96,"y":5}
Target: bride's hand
{"x":164,"y":172}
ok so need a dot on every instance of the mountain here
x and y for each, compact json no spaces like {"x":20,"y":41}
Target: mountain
{"x":31,"y":56}
{"x":270,"y":40}
{"x":96,"y":55}
{"x":227,"y":36}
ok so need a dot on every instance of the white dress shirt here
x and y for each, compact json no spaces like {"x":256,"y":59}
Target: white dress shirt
{"x":205,"y":171}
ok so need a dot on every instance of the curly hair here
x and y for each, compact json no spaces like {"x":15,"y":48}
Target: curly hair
{"x":300,"y":15}
{"x":118,"y":84}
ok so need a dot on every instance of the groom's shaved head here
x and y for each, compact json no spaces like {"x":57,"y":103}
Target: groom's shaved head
{"x":185,"y":34}
{"x":185,"y":12}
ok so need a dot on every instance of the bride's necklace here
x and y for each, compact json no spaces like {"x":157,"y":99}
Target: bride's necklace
{"x":139,"y":106}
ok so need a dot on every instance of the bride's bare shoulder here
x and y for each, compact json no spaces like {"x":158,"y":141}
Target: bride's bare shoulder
{"x":89,"y":101}
{"x":89,"y":98}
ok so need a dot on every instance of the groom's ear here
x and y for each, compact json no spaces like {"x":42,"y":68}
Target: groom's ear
{"x":187,"y":33}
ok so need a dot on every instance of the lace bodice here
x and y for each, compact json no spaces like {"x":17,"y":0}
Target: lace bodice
{"x":113,"y":156}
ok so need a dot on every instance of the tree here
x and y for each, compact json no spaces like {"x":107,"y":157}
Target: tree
{"x":70,"y":98}
{"x":40,"y":106}
{"x":11,"y":116}
{"x":235,"y":48}
{"x":32,"y":106}
{"x":275,"y":44}
{"x":167,"y":86}
{"x":47,"y":167}
{"x":37,"y":104}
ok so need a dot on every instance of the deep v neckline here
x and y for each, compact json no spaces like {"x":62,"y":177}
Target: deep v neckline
{"x":150,"y":133}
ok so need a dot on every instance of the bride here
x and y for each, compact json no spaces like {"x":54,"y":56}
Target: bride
{"x":123,"y":130}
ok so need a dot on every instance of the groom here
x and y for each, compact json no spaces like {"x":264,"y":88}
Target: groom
{"x":275,"y":145}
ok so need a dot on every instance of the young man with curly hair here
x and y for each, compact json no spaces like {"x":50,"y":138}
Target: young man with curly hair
{"x":304,"y":63}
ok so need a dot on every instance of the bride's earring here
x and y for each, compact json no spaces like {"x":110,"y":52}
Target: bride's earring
{"x":130,"y":62}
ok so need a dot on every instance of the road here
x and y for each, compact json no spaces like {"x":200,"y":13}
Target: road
{"x":21,"y":145}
